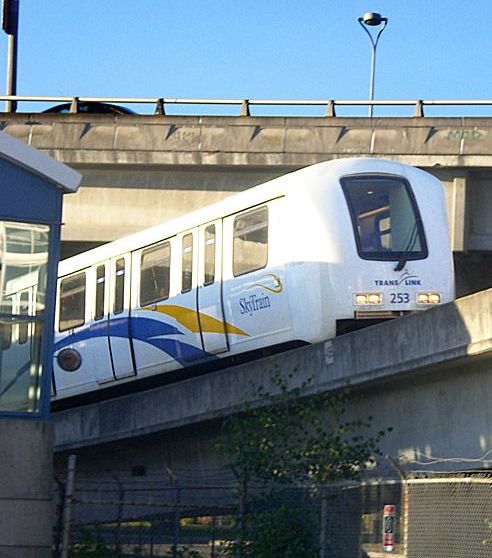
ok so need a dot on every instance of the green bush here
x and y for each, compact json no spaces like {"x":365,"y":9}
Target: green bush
{"x":284,"y":532}
{"x":89,"y":545}
{"x":182,"y":552}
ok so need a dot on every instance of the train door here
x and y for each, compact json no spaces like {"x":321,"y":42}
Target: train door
{"x":155,"y":336}
{"x":119,"y":317}
{"x":209,"y":290}
{"x":99,"y":353}
{"x":255,"y":304}
{"x":166,"y":329}
{"x":184,"y":308}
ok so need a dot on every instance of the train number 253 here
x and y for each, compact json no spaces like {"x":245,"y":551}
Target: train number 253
{"x":399,"y":298}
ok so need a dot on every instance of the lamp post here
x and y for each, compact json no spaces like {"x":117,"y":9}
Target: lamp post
{"x":372,"y":19}
{"x":10,"y":24}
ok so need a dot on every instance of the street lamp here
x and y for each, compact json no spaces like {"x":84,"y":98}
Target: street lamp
{"x":372,"y":19}
{"x":10,"y":24}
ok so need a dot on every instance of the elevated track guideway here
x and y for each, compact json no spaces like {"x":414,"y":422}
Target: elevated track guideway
{"x":428,"y":376}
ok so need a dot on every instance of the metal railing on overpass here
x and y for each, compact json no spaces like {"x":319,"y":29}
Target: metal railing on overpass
{"x":159,"y":104}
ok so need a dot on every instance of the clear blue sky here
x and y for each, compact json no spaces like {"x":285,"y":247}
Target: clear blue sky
{"x":286,"y":49}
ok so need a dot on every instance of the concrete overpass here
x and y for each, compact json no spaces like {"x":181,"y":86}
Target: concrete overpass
{"x":139,"y":170}
{"x":428,"y":376}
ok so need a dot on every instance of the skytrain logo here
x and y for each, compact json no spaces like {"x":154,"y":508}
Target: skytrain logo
{"x":406,"y":278}
{"x":253,"y":303}
{"x":275,"y":284}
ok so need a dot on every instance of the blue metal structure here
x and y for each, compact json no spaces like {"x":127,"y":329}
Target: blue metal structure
{"x":31,"y":188}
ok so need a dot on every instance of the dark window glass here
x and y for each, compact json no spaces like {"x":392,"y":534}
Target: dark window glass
{"x":209,"y":271}
{"x":119,"y":287}
{"x":24,"y":311}
{"x":187,"y":263}
{"x":155,"y":267}
{"x":6,"y":326}
{"x":6,"y":335}
{"x":250,"y":241}
{"x":72,"y":302}
{"x":100,"y":290}
{"x":385,"y":217}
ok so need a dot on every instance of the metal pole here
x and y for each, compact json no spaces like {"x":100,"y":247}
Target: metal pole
{"x":374,"y":44}
{"x":11,"y":106}
{"x":121,"y":499}
{"x":10,"y":25}
{"x":59,"y":517}
{"x":322,"y":523}
{"x":67,"y":509}
{"x":214,"y":525}
{"x":177,"y":517}
{"x":371,"y":84}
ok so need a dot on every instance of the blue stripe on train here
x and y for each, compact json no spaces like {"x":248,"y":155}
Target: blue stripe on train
{"x":146,"y":330}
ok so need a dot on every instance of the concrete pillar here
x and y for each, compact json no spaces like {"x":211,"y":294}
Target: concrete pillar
{"x":26,"y":485}
{"x":458,"y":217}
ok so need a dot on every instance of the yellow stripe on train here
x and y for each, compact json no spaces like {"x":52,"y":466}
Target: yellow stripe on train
{"x":189,"y":319}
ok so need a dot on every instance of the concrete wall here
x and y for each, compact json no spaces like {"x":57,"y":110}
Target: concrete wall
{"x":113,"y":202}
{"x":26,"y":512}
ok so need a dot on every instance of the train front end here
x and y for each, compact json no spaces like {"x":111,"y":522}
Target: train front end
{"x":398,"y":255}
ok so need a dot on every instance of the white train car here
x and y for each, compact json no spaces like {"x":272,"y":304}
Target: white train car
{"x":295,"y":260}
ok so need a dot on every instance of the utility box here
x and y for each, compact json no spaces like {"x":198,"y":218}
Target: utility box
{"x":32,"y":186}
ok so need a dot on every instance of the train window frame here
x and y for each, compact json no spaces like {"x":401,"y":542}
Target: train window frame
{"x":100,"y":293}
{"x":390,"y":255}
{"x":62,"y":326}
{"x":209,"y":256}
{"x":119,"y":286}
{"x":186,"y":263}
{"x":6,"y":329}
{"x":5,"y":336}
{"x":165,"y":245}
{"x":23,"y":327}
{"x":260,"y":264}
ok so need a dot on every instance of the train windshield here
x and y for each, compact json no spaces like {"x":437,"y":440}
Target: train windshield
{"x":385,"y":216}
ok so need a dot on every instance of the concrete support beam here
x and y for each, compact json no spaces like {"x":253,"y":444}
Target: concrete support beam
{"x":80,"y":139}
{"x":458,"y":214}
{"x":411,"y":349}
{"x":146,"y":169}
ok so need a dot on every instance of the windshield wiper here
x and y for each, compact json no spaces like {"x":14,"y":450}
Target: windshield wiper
{"x":408,"y":248}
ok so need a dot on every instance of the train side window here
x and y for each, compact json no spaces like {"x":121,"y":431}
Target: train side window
{"x":250,"y":248}
{"x":187,"y":263}
{"x":209,"y":270}
{"x":155,"y":267}
{"x":72,"y":302}
{"x":100,"y":289}
{"x":23,"y":311}
{"x":119,"y":286}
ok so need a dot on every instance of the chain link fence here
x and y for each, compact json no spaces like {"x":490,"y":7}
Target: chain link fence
{"x":160,"y":516}
{"x":450,"y":517}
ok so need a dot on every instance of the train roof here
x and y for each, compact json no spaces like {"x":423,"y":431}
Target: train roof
{"x":255,"y":195}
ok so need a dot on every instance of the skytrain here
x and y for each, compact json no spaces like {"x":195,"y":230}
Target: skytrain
{"x":304,"y":257}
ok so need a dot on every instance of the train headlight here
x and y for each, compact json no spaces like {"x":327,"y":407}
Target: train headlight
{"x":368,"y":298}
{"x":69,"y":360}
{"x":428,"y":298}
